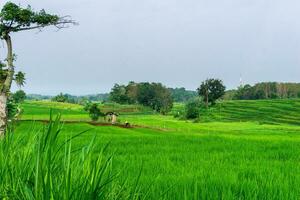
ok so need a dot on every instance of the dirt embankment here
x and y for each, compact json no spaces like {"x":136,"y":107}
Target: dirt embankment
{"x":102,"y":124}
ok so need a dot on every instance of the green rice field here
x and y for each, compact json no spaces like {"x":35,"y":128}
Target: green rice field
{"x":238,"y":150}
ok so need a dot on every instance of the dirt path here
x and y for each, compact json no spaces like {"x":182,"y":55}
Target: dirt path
{"x":99,"y":124}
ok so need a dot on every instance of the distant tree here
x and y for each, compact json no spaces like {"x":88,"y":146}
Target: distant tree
{"x":118,"y":94}
{"x":38,"y":97}
{"x":132,"y":92}
{"x":94,"y":111}
{"x":82,"y":101}
{"x":60,"y":98}
{"x":163,"y":101}
{"x":211,"y":90}
{"x":267,"y":90}
{"x":97,"y":97}
{"x":13,"y":19}
{"x":86,"y":106}
{"x":156,"y":96}
{"x":192,"y":108}
{"x":229,"y":95}
{"x":153,"y":95}
{"x":71,"y":99}
{"x":264,"y":90}
{"x":146,"y":94}
{"x":182,"y":95}
{"x":19,"y":96}
{"x":244,"y":92}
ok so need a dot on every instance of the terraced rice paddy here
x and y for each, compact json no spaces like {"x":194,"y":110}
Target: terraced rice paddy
{"x":239,"y":150}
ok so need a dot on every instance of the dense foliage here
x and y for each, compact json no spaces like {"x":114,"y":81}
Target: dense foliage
{"x":181,"y":94}
{"x":14,"y":105}
{"x":93,"y":110}
{"x":20,"y":79}
{"x":19,"y":96}
{"x":93,"y":97}
{"x":118,"y":94}
{"x":15,"y":18}
{"x":192,"y":108}
{"x":61,"y":98}
{"x":154,"y":95}
{"x":13,"y":109}
{"x":211,"y":90}
{"x":267,"y":90}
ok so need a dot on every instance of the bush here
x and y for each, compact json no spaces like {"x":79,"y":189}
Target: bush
{"x":12,"y":109}
{"x":93,"y":110}
{"x":61,"y":98}
{"x":177,"y":114}
{"x":192,"y":108}
{"x":19,"y":96}
{"x":156,"y":96}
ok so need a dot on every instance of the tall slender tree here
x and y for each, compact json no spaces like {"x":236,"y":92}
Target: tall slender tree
{"x":13,"y":19}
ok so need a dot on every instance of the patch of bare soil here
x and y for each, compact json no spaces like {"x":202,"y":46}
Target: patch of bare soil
{"x":102,"y":124}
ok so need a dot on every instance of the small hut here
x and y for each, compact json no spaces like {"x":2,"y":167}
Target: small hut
{"x":112,"y":117}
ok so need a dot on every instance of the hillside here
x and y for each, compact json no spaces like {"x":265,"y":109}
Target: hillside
{"x":286,"y":112}
{"x":263,"y":111}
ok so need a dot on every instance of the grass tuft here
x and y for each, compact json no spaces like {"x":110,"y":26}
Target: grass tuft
{"x":46,"y":166}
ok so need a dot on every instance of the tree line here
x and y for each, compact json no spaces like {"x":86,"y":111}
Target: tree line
{"x":154,"y":95}
{"x":265,"y":90}
{"x":68,"y":98}
{"x":178,"y":95}
{"x":182,"y":95}
{"x":160,"y":98}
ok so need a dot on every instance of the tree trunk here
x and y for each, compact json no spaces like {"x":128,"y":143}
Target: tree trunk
{"x":3,"y":114}
{"x":10,"y":65}
{"x":6,"y":87}
{"x":206,"y":98}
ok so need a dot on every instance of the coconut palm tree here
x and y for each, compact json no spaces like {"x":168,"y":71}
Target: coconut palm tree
{"x":20,"y":79}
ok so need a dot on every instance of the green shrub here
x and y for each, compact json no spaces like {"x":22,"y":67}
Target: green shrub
{"x":192,"y":108}
{"x":12,"y":109}
{"x":19,"y":96}
{"x":93,"y":110}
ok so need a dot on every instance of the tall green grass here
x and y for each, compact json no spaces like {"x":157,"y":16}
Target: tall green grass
{"x":44,"y":165}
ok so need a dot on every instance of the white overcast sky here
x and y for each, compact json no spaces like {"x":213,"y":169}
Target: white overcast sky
{"x":176,"y":42}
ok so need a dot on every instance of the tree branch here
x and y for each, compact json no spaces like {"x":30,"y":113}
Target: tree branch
{"x":58,"y":25}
